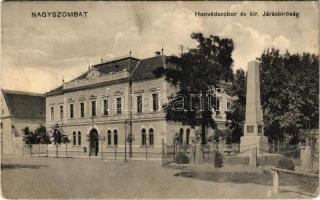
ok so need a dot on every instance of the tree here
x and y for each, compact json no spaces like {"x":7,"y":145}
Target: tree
{"x":57,"y":134}
{"x":196,"y":74}
{"x":41,"y":135}
{"x":289,"y":93}
{"x":236,"y":115}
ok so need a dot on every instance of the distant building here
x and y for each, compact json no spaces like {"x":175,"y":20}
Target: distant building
{"x":97,"y":105}
{"x":18,"y":111}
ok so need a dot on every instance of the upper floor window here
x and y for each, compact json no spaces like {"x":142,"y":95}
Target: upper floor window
{"x":118,"y":99}
{"x":155,"y":102}
{"x":81,"y":109}
{"x":105,"y":106}
{"x":93,"y":108}
{"x":139,"y":104}
{"x":1,"y":125}
{"x":61,"y":112}
{"x":71,"y":111}
{"x":52,"y":113}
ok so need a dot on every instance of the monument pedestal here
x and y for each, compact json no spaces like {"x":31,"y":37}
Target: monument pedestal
{"x":248,"y":142}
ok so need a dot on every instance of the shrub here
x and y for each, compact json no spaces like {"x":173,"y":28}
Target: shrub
{"x":182,"y":159}
{"x":285,"y":163}
{"x":218,"y":160}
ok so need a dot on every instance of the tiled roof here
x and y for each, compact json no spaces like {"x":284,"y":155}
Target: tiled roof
{"x":146,"y":67}
{"x":112,"y":66}
{"x":56,"y":91}
{"x":25,"y":105}
{"x":141,"y":69}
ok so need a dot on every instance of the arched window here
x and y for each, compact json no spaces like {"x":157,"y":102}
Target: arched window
{"x":188,"y":137}
{"x":109,"y":137}
{"x":79,"y":138}
{"x":143,"y":137}
{"x":74,"y":138}
{"x":181,"y":135}
{"x":151,"y":139}
{"x":115,"y":137}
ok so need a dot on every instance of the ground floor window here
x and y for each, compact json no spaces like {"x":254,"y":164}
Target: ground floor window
{"x":143,"y":137}
{"x":74,"y":138}
{"x":79,"y":138}
{"x":109,"y":137}
{"x":181,"y":136}
{"x":115,"y":137}
{"x":188,"y":137}
{"x":151,"y":138}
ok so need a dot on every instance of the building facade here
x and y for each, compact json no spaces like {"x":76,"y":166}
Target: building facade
{"x":18,"y":111}
{"x":113,"y":99}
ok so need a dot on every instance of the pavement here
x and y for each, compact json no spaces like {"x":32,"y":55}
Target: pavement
{"x":57,"y":178}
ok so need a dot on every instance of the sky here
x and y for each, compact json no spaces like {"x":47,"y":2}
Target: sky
{"x":37,"y":53}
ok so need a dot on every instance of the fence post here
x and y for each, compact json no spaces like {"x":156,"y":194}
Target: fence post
{"x":102,"y":151}
{"x":115,"y":153}
{"x":306,"y":159}
{"x":39,"y":150}
{"x":146,"y":151}
{"x":253,"y":157}
{"x":30,"y":150}
{"x":57,"y":150}
{"x":47,"y":149}
{"x":275,"y":181}
{"x":66,"y":150}
{"x":162,"y":152}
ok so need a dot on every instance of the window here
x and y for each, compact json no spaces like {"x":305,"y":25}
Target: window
{"x":118,"y":105}
{"x":155,"y":102}
{"x":93,"y":108}
{"x":105,"y":106}
{"x":218,"y":106}
{"x":143,"y":137}
{"x":52,"y":113}
{"x":115,"y":137}
{"x":71,"y":111}
{"x":228,"y":105}
{"x":1,"y":125}
{"x":79,"y":138}
{"x":74,"y":138}
{"x":188,"y":137}
{"x":139,"y":104}
{"x":181,"y":136}
{"x":109,"y":137}
{"x":81,"y":109}
{"x":61,"y":112}
{"x":151,"y":139}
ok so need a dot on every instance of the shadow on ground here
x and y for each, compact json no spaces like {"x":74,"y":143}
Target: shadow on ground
{"x":19,"y":166}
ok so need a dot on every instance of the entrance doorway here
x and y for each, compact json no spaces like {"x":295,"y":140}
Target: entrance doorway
{"x":94,"y":143}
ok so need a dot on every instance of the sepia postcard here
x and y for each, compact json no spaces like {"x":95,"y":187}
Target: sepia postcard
{"x":159,"y":99}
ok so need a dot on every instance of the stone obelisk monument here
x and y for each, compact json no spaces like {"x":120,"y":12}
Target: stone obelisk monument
{"x":253,"y":127}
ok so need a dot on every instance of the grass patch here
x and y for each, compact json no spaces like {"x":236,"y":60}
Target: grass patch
{"x":302,"y":183}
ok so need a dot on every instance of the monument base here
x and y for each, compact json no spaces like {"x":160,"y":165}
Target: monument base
{"x":248,"y":142}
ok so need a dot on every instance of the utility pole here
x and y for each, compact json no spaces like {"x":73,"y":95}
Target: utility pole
{"x":130,"y":107}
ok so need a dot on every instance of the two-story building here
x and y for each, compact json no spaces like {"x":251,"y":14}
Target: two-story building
{"x":113,"y":99}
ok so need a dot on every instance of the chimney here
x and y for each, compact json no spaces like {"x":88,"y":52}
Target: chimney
{"x":157,"y":53}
